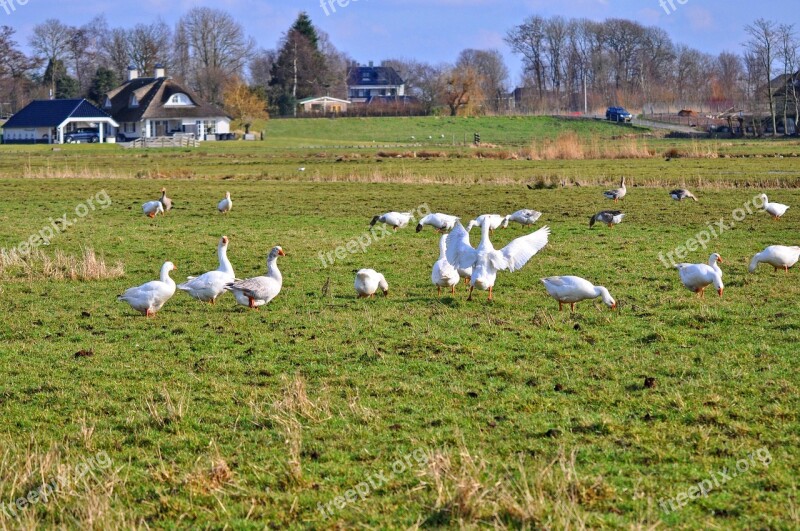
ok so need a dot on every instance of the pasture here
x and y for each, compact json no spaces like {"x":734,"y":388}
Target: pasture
{"x":324,"y":411}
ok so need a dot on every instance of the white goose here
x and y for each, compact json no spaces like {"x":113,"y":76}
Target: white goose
{"x":258,"y":291}
{"x":570,"y":289}
{"x":524,"y":217}
{"x":444,"y":275}
{"x":226,"y":204}
{"x":697,"y":277}
{"x":440,"y":222}
{"x":778,"y":256}
{"x":485,"y":260}
{"x":617,"y":193}
{"x":495,"y":221}
{"x":208,"y":286}
{"x":153,"y":208}
{"x":776,"y":210}
{"x":151,"y":296}
{"x":397,"y":220}
{"x":368,"y":281}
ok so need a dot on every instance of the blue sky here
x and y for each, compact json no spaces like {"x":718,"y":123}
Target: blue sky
{"x":429,"y":30}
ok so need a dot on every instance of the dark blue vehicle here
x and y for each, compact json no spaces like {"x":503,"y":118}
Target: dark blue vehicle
{"x":618,"y":114}
{"x":82,"y":135}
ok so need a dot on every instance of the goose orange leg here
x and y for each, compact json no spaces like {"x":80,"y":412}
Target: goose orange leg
{"x":470,"y":293}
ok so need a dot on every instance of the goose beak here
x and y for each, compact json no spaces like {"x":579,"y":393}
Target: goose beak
{"x":225,"y":240}
{"x":174,"y":267}
{"x":720,"y":292}
{"x":614,"y":306}
{"x":386,"y":293}
{"x":281,"y":253}
{"x":719,"y":259}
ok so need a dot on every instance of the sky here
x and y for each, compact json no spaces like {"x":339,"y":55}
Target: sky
{"x":433,"y":31}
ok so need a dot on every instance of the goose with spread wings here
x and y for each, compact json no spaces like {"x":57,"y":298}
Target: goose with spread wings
{"x":485,"y":260}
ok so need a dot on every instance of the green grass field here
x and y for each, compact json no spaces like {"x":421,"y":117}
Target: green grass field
{"x":325,"y":411}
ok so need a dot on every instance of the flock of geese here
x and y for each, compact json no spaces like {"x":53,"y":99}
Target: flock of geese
{"x":458,"y":259}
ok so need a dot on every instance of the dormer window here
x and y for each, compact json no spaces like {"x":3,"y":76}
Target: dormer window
{"x":134,"y":101}
{"x":107,"y":103}
{"x":179,"y":99}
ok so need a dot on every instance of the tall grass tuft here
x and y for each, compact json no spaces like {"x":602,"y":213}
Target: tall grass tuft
{"x":38,"y":265}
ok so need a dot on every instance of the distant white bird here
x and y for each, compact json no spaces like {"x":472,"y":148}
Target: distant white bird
{"x":440,"y":222}
{"x":444,"y":275}
{"x":209,"y":286}
{"x":778,"y":256}
{"x":153,"y":208}
{"x":397,"y":220}
{"x":151,"y":296}
{"x":697,"y":277}
{"x":571,"y":289}
{"x":776,"y":210}
{"x":485,"y":261}
{"x":681,"y":193}
{"x":226,"y":204}
{"x":495,"y":221}
{"x":617,"y":193}
{"x":258,"y":291}
{"x":368,"y":281}
{"x":302,"y":168}
{"x":525,"y":217}
{"x":609,"y":217}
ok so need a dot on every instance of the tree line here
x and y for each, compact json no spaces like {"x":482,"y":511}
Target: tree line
{"x":567,"y":64}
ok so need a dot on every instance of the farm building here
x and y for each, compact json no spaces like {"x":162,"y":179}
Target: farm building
{"x":53,"y":121}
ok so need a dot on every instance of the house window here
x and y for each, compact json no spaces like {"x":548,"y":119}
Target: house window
{"x":107,"y":103}
{"x":179,"y":99}
{"x":134,"y":102}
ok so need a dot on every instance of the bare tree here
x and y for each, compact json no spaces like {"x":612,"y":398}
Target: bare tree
{"x":15,"y":68}
{"x":51,"y":41}
{"x":556,"y":34}
{"x":789,"y":47}
{"x":762,"y":45}
{"x":492,"y":75}
{"x":423,"y":81}
{"x":462,"y":90}
{"x":260,"y":67}
{"x":114,"y":49}
{"x":148,"y":45}
{"x":218,"y":48}
{"x":528,"y":40}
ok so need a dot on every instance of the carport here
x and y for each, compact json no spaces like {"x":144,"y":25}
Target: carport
{"x":46,"y":121}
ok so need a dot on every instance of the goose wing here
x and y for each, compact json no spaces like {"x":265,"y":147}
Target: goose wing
{"x":517,"y":253}
{"x":460,"y":252}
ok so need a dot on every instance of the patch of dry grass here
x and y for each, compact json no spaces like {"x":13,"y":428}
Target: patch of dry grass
{"x":38,"y":265}
{"x":553,"y":495}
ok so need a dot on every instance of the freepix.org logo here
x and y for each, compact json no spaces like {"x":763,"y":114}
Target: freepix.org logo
{"x":9,"y":6}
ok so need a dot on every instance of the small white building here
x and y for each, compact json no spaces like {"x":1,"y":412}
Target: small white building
{"x":53,"y":121}
{"x":324,"y":105}
{"x":158,"y":106}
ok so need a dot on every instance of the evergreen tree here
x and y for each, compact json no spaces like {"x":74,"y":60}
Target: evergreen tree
{"x":104,"y":80}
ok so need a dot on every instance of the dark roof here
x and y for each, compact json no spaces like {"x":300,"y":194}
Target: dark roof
{"x":366,"y":76}
{"x":152,"y":94}
{"x":50,"y":113}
